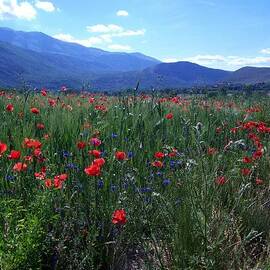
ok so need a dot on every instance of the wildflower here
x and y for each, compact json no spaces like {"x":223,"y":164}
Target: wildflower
{"x":221,"y":180}
{"x":258,"y":154}
{"x":35,"y":110}
{"x":247,"y":160}
{"x":119,"y":217}
{"x":211,"y":151}
{"x":3,"y":148}
{"x":9,"y":108}
{"x":95,"y":141}
{"x":81,"y":145}
{"x":92,"y":170}
{"x":20,"y":167}
{"x":159,"y":155}
{"x":31,"y":143}
{"x":43,"y":92}
{"x":100,"y":184}
{"x":245,"y":171}
{"x":259,"y":181}
{"x":120,"y":155}
{"x":95,"y":153}
{"x":14,"y":154}
{"x":48,"y":183}
{"x":169,"y":116}
{"x":99,"y":162}
{"x":40,"y":175}
{"x":218,"y":130}
{"x":166,"y":182}
{"x":40,"y":126}
{"x":157,"y":164}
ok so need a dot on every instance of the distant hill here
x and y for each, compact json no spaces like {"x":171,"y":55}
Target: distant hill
{"x":41,"y":60}
{"x":250,"y":75}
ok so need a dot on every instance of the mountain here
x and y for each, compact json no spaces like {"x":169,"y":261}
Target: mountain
{"x":41,"y":60}
{"x":250,"y":75}
{"x":41,"y":43}
{"x":164,"y":75}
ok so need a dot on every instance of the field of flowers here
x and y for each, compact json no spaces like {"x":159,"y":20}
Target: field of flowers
{"x":134,"y":182}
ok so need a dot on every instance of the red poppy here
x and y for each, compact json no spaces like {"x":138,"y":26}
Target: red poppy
{"x":9,"y":108}
{"x":58,"y":184}
{"x":61,"y":177}
{"x":43,"y":92}
{"x":246,"y":171}
{"x":40,"y":175}
{"x":119,"y":217}
{"x":37,"y":152}
{"x":95,"y":153}
{"x":221,"y":180}
{"x":14,"y":154}
{"x":258,"y":154}
{"x":157,"y":164}
{"x":169,"y":116}
{"x":259,"y":181}
{"x":92,"y":170}
{"x":218,"y":130}
{"x":119,"y":155}
{"x":20,"y":167}
{"x":99,"y":162}
{"x":247,"y":159}
{"x":40,"y":126}
{"x":159,"y":155}
{"x":95,"y":141}
{"x":31,"y":143}
{"x":35,"y":110}
{"x":211,"y":151}
{"x":81,"y":145}
{"x":3,"y":148}
{"x":48,"y":183}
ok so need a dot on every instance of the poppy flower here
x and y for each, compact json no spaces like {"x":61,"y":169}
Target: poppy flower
{"x":40,"y":126}
{"x":31,"y":143}
{"x":99,"y":162}
{"x":92,"y":170}
{"x":48,"y":183}
{"x":258,"y":154}
{"x":119,"y":217}
{"x":58,"y":184}
{"x":159,"y":155}
{"x":20,"y":167}
{"x":95,"y":153}
{"x":157,"y":164}
{"x":3,"y":148}
{"x":169,"y":116}
{"x":259,"y":181}
{"x":14,"y":154}
{"x":95,"y":141}
{"x":9,"y":108}
{"x":35,"y":110}
{"x":119,"y":155}
{"x":211,"y":151}
{"x":245,"y":171}
{"x":43,"y":92}
{"x":40,"y":175}
{"x":247,"y":160}
{"x":81,"y":145}
{"x":221,"y":180}
{"x":61,"y":177}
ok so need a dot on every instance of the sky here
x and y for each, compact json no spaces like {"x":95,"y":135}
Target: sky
{"x":227,"y":34}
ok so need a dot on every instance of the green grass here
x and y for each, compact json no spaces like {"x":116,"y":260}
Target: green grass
{"x":178,"y":217}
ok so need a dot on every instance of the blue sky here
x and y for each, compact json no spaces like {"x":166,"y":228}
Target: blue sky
{"x":225,"y":34}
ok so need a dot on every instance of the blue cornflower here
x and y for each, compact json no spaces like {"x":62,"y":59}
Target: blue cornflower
{"x":130,"y":154}
{"x":100,"y":184}
{"x":114,"y":135}
{"x":166,"y":182}
{"x":66,"y":154}
{"x":10,"y":177}
{"x":145,"y":189}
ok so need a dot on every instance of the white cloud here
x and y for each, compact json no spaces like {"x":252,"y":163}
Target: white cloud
{"x":89,"y":42}
{"x":118,"y":47}
{"x":170,"y":60}
{"x":45,"y":6}
{"x":265,"y":51}
{"x":122,"y":13}
{"x":102,"y":28}
{"x":10,"y":9}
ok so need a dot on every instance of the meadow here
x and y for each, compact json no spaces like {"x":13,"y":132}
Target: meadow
{"x":89,"y":181}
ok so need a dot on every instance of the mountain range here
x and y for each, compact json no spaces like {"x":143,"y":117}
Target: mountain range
{"x":40,"y":60}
